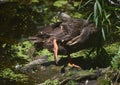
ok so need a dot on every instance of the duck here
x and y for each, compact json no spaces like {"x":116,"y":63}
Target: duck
{"x":68,"y":36}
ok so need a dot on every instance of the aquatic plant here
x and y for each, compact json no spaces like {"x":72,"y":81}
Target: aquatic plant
{"x":21,"y":50}
{"x":10,"y":74}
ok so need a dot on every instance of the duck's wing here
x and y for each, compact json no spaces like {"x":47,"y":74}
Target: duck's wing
{"x":85,"y":34}
{"x":45,"y":33}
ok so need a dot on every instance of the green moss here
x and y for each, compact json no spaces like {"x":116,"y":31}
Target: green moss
{"x":86,"y":72}
{"x":45,"y":52}
{"x":51,"y":82}
{"x":71,"y":82}
{"x":112,"y":48}
{"x":81,"y":53}
{"x":103,"y":81}
{"x":10,"y":74}
{"x":116,"y":60}
{"x":60,"y":3}
{"x":21,"y":50}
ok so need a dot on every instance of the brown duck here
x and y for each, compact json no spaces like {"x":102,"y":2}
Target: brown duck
{"x":66,"y":37}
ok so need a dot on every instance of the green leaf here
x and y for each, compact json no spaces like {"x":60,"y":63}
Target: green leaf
{"x":95,"y":10}
{"x":4,"y":45}
{"x":96,"y":21}
{"x":10,"y":74}
{"x":108,"y":20}
{"x":118,"y":27}
{"x":77,"y":15}
{"x":88,"y":18}
{"x":99,"y":7}
{"x":103,"y":34}
{"x":85,"y":4}
{"x":76,"y":3}
{"x":60,"y":3}
{"x":107,"y":17}
{"x":35,"y":1}
{"x":119,"y":50}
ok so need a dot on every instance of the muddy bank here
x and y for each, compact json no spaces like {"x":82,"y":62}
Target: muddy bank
{"x":43,"y":71}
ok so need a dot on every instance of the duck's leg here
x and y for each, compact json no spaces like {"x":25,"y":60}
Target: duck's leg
{"x":55,"y":50}
{"x":70,"y":62}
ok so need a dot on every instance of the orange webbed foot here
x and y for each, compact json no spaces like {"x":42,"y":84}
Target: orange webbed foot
{"x":73,"y":65}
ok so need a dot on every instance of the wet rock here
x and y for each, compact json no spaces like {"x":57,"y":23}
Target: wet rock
{"x":31,"y":65}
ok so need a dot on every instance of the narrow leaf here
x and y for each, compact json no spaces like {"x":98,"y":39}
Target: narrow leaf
{"x":107,"y":17}
{"x":96,"y":21}
{"x":88,"y":18}
{"x":95,"y":10}
{"x":85,"y":4}
{"x":103,"y":34}
{"x":99,"y":7}
{"x":118,"y":27}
